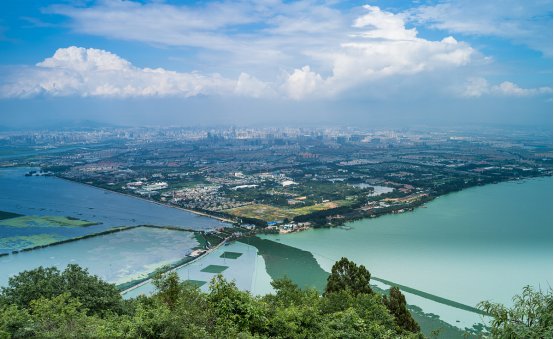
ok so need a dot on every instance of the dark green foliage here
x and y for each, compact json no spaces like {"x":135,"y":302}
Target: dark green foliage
{"x":94,"y":294}
{"x":235,"y":311}
{"x":347,"y":276}
{"x":254,"y":221}
{"x":168,"y":287}
{"x":181,"y":310}
{"x":396,"y":304}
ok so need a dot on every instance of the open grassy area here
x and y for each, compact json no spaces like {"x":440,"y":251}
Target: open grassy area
{"x":46,"y":221}
{"x":272,"y":213}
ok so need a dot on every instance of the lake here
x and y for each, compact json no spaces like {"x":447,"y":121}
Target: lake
{"x":116,"y":257}
{"x":481,"y":243}
{"x":246,"y":269}
{"x":57,"y":197}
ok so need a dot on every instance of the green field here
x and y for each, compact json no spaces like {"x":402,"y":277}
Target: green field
{"x":46,"y":221}
{"x":271,"y":213}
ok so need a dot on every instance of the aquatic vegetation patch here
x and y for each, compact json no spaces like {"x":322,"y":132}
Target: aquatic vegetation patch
{"x":431,"y":296}
{"x":230,"y":255}
{"x":8,"y":215}
{"x":46,"y":221}
{"x":197,"y":283}
{"x":214,"y":268}
{"x":287,"y":261}
{"x":26,"y":241}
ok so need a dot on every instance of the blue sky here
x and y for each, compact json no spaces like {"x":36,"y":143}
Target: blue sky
{"x":274,"y":62}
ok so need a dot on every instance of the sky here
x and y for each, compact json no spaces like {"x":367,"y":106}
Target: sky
{"x":278,"y":63}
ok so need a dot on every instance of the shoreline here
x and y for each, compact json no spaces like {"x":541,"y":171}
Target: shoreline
{"x":151,"y":201}
{"x":341,"y":222}
{"x":413,"y":206}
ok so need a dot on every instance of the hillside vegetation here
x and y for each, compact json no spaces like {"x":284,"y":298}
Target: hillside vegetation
{"x":45,"y":302}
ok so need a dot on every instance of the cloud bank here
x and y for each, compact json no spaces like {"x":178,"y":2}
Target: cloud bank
{"x":320,"y":55}
{"x":476,"y":87}
{"x":93,"y":72}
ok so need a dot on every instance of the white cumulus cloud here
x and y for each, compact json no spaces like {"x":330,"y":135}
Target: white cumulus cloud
{"x":302,"y":82}
{"x":94,"y":72}
{"x":369,"y":51}
{"x":476,"y":87}
{"x":381,"y":46}
{"x":250,"y":86}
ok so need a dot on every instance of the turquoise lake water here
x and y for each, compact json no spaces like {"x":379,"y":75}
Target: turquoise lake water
{"x":481,"y":243}
{"x":247,"y":271}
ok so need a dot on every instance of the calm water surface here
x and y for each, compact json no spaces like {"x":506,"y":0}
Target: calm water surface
{"x":481,"y":243}
{"x":115,"y":257}
{"x":54,"y":196}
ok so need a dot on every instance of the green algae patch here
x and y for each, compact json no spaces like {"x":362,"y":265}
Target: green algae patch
{"x":430,"y":296}
{"x":197,"y":283}
{"x":286,"y":261}
{"x":27,"y":241}
{"x":230,"y":255}
{"x":46,"y":221}
{"x":214,"y":268}
{"x":8,"y":215}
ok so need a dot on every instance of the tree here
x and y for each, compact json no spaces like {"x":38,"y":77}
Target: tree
{"x":93,"y":293}
{"x":287,"y":293}
{"x":168,"y":287}
{"x":234,"y":310}
{"x":181,"y":310}
{"x":396,"y":303}
{"x":60,"y":317}
{"x":346,"y":275}
{"x":529,"y":317}
{"x":15,"y":322}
